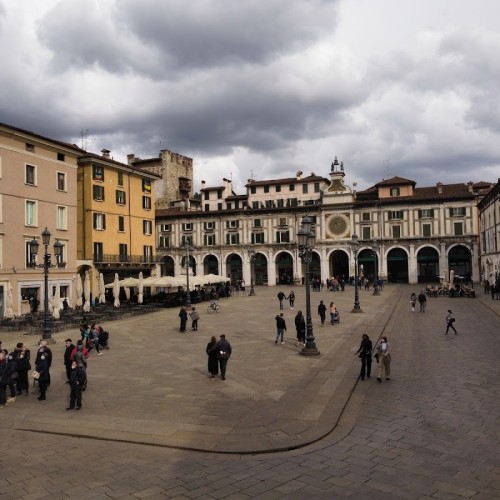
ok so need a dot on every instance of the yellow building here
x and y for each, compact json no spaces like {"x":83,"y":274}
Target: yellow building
{"x":116,"y":219}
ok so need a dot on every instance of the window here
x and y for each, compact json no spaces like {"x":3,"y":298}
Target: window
{"x":166,"y":228}
{"x":148,"y":253}
{"x":121,"y":224}
{"x":292,"y":202}
{"x":255,"y":204}
{"x":219,"y":194}
{"x":164,"y":241}
{"x":209,"y":240}
{"x":206,"y":195}
{"x":394,"y":191}
{"x":62,"y":217}
{"x":98,"y":173}
{"x":291,"y":187}
{"x":31,"y":213}
{"x":28,"y":259}
{"x":98,"y":193}
{"x":120,"y":179}
{"x":98,"y":252}
{"x":60,"y":157}
{"x":187,"y":226}
{"x":61,"y":261}
{"x":269,"y":204}
{"x":228,"y":206}
{"x":146,"y":203}
{"x":30,"y":175}
{"x":282,"y":237}
{"x":219,"y":206}
{"x":458,"y":228}
{"x":396,"y":231}
{"x":147,"y":227}
{"x":209,"y":225}
{"x":233,"y":239}
{"x":396,"y":214}
{"x":120,"y":197}
{"x":61,"y":181}
{"x":99,"y":221}
{"x":316,"y":187}
{"x":457,"y":212}
{"x":282,"y":221}
{"x":366,"y":233}
{"x":305,"y":188}
{"x":253,"y":189}
{"x":146,"y":186}
{"x":187,"y":240}
{"x":257,"y":223}
{"x":266,"y":189}
{"x":30,"y":147}
{"x":427,"y":213}
{"x":366,"y":216}
{"x":258,"y":238}
{"x":280,"y":203}
{"x":232,"y":224}
{"x":207,"y":207}
{"x":278,"y":188}
{"x":123,"y":252}
{"x":426,"y":230}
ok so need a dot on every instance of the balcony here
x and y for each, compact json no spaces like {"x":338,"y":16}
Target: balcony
{"x":108,"y":259}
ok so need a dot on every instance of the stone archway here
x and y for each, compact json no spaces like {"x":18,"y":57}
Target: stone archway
{"x":234,"y":267}
{"x":284,"y":268}
{"x":192,"y":264}
{"x":397,"y":266}
{"x":167,"y":266}
{"x":428,"y":265}
{"x":367,"y":264}
{"x":460,"y":261}
{"x":211,"y":264}
{"x":339,"y":264}
{"x":260,"y":266}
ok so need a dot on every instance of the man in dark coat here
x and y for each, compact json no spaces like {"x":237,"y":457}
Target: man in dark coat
{"x":322,"y":312}
{"x":280,"y":328}
{"x":224,"y":351}
{"x":67,"y":358}
{"x":77,"y":381}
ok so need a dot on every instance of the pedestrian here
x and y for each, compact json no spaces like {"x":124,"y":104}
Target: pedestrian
{"x":300,"y":327}
{"x":450,"y":319}
{"x":322,"y":312}
{"x":413,"y":301}
{"x":43,"y":368}
{"x":383,"y":357}
{"x":213,"y":361}
{"x":333,"y":311}
{"x":291,"y":299}
{"x":77,"y":381}
{"x":46,"y":351}
{"x":281,"y":328}
{"x":11,"y":375}
{"x":3,"y":380}
{"x":183,"y":315}
{"x":422,"y":300}
{"x":194,"y":319}
{"x":281,"y":297}
{"x":224,"y":351}
{"x":67,"y":358}
{"x":23,"y":367}
{"x":365,"y":354}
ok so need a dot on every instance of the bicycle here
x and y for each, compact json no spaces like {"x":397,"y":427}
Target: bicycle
{"x":215,"y":307}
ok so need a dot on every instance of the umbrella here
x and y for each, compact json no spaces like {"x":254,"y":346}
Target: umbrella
{"x":102,"y":296}
{"x":140,"y":298}
{"x":169,"y":281}
{"x":79,"y":290}
{"x":127,"y":293}
{"x":214,"y":278}
{"x":56,"y":302}
{"x":129,"y":282}
{"x":9,"y":313}
{"x":151,"y":281}
{"x":116,"y":290}
{"x":86,"y":292}
{"x":452,"y":277}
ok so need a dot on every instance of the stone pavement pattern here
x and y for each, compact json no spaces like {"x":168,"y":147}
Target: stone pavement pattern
{"x":431,"y":432}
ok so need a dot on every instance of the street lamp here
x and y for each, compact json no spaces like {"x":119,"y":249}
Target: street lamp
{"x":306,"y":239}
{"x":46,"y":265}
{"x":354,"y":246}
{"x":376,"y":288}
{"x":187,"y":248}
{"x":251,"y":256}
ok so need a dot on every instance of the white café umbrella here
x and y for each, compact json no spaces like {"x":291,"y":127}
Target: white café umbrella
{"x":102,"y":296}
{"x":140,"y":285}
{"x":116,"y":290}
{"x":127,"y":293}
{"x":79,"y":290}
{"x":129,"y":282}
{"x":9,"y":313}
{"x":56,"y":301}
{"x":86,"y":292}
{"x":452,"y":277}
{"x":169,"y":281}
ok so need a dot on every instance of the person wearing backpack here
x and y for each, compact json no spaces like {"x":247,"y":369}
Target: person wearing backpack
{"x":77,"y":381}
{"x":450,"y":319}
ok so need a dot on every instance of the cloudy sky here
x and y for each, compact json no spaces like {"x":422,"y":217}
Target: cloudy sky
{"x":263,"y":88}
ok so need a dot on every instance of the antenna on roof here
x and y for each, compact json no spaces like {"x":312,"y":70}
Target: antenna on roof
{"x":85,"y":137}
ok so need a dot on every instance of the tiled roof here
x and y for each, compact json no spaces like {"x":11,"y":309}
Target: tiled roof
{"x":290,"y":180}
{"x":118,"y":164}
{"x":395,"y":181}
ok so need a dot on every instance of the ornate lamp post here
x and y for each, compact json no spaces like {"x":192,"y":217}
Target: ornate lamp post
{"x":187,"y":248}
{"x":376,"y":289}
{"x":306,"y":239}
{"x":46,"y":265}
{"x":355,"y":246}
{"x":251,"y":256}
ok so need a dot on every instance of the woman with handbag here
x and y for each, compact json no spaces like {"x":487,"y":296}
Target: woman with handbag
{"x":384,"y":360}
{"x":42,"y":367}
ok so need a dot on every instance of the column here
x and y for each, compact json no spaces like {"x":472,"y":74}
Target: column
{"x":412,"y":265}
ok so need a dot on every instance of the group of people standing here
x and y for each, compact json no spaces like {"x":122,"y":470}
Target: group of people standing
{"x":382,"y":356}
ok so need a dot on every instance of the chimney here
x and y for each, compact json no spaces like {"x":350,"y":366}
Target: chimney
{"x":470,"y":186}
{"x":203,"y":184}
{"x":130,"y":158}
{"x":105,"y":153}
{"x":298,"y":175}
{"x":439,"y":186}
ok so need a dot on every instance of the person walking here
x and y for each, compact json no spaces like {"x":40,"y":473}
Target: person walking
{"x":43,"y":368}
{"x":291,"y":299}
{"x":23,"y":367}
{"x":333,"y":311}
{"x":281,"y":297}
{"x":67,"y":358}
{"x":413,"y":301}
{"x":365,"y":354}
{"x":224,"y":351}
{"x":183,"y":315}
{"x":322,"y":312}
{"x":300,"y":327}
{"x":281,"y":328}
{"x":422,"y":300}
{"x":383,"y":357}
{"x":194,"y":319}
{"x":77,"y":381}
{"x":3,"y":379}
{"x":213,"y":361}
{"x":450,"y":319}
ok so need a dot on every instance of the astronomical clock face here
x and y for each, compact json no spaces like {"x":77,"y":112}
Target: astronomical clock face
{"x":337,"y":225}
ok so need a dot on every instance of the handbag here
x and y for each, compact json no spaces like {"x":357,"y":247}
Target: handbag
{"x":35,"y":374}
